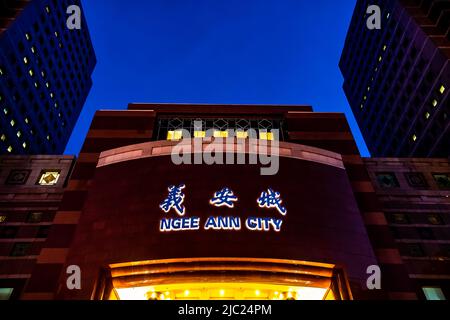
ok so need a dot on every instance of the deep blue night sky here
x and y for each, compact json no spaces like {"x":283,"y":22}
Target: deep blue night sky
{"x":217,"y":51}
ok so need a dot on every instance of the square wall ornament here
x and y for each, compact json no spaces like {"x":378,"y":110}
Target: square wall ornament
{"x":49,"y":177}
{"x":387,"y":180}
{"x":416,"y":180}
{"x":18,"y":177}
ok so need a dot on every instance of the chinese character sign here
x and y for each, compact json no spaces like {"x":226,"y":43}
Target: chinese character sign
{"x":271,"y":199}
{"x":174,"y":200}
{"x":224,"y":197}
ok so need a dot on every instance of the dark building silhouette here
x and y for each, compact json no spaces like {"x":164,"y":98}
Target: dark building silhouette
{"x":45,"y":75}
{"x":397,"y":79}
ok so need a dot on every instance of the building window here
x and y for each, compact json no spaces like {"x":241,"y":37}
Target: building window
{"x":220,"y":134}
{"x":2,"y":219}
{"x":166,"y":126}
{"x":6,"y":293}
{"x":413,"y":250}
{"x":399,"y":218}
{"x":174,"y":135}
{"x":416,"y":180}
{"x":35,"y":217}
{"x":20,"y":249}
{"x":442,"y":89}
{"x":426,"y":233}
{"x":435,"y":219}
{"x":49,"y":178}
{"x":8,"y":232}
{"x":387,"y":180}
{"x":18,"y":177}
{"x":264,"y":135}
{"x":43,"y":232}
{"x":199,"y":134}
{"x":442,"y":180}
{"x":445,"y":250}
{"x":241,"y":134}
{"x":433,"y":293}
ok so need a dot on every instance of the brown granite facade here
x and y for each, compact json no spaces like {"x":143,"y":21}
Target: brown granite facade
{"x":415,"y":198}
{"x":27,"y":210}
{"x":116,"y":129}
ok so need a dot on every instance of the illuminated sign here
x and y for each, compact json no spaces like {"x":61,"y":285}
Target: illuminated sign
{"x":269,"y":199}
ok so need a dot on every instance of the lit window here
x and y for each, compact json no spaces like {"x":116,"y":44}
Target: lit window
{"x":435,"y":219}
{"x":1,"y":71}
{"x":27,"y":36}
{"x":6,"y":293}
{"x":388,"y":16}
{"x":3,"y":138}
{"x":376,"y":69}
{"x":56,"y":34}
{"x":56,"y":105}
{"x":35,"y":217}
{"x":220,"y":134}
{"x":36,"y":84}
{"x":433,"y":293}
{"x":5,"y":111}
{"x":27,"y":121}
{"x":13,"y":123}
{"x":264,"y":135}
{"x":434,"y":103}
{"x":48,"y":138}
{"x":199,"y":134}
{"x":25,"y":60}
{"x":19,"y":134}
{"x":49,"y":178}
{"x":43,"y":74}
{"x":384,"y":48}
{"x":362,"y":106}
{"x":380,"y":58}
{"x":51,"y":95}
{"x":47,"y":9}
{"x":442,"y":89}
{"x":10,"y":149}
{"x":31,"y":72}
{"x":47,"y":85}
{"x":174,"y":135}
{"x":2,"y":219}
{"x":427,"y":115}
{"x":399,"y":218}
{"x":365,"y":98}
{"x":414,"y":138}
{"x":24,"y":145}
{"x":33,"y":49}
{"x":368,"y":88}
{"x":242,"y":135}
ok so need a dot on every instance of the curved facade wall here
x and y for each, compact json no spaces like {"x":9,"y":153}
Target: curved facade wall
{"x":121,"y":219}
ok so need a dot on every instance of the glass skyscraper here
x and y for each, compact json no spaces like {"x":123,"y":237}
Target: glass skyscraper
{"x":397,"y":79}
{"x":45,"y":75}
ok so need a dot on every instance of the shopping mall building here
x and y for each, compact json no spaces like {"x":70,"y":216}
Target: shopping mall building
{"x":140,"y":225}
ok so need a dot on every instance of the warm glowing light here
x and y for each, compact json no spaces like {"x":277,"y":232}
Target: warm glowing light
{"x":220,"y":134}
{"x":216,"y":291}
